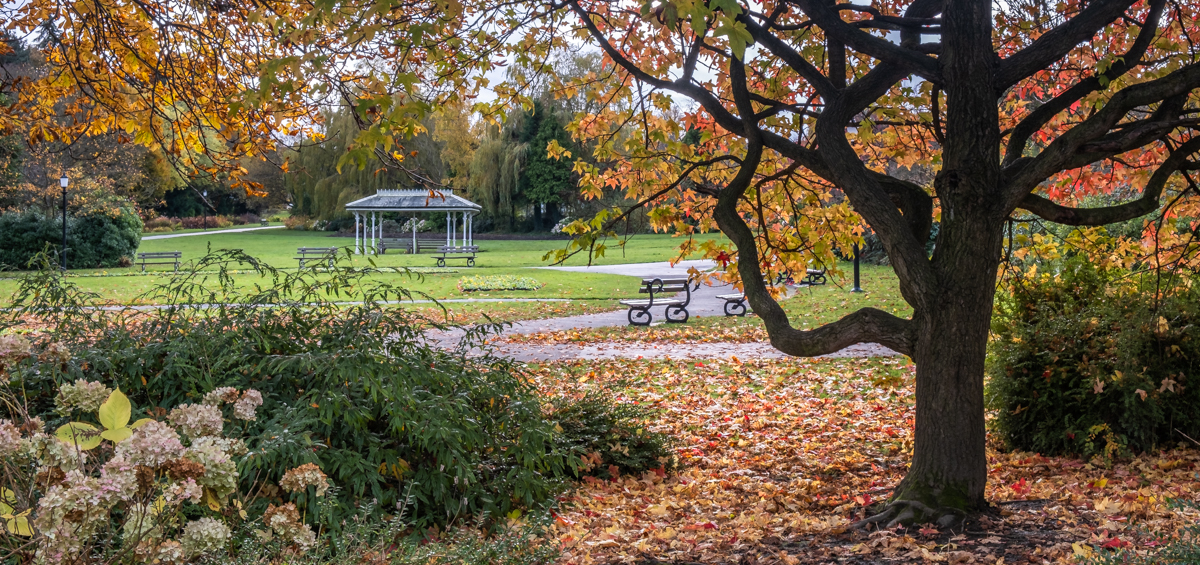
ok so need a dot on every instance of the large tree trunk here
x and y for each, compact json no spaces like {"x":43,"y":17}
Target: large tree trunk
{"x":948,"y":473}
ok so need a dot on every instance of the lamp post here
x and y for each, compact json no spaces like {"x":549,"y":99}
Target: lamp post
{"x":204,"y":207}
{"x":62,"y":182}
{"x":857,"y":287}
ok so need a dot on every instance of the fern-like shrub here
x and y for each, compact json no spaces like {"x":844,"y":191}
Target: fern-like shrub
{"x":347,"y":384}
{"x":1095,"y":361}
{"x":611,"y":438}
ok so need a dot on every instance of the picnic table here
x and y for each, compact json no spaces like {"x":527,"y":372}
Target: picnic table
{"x":639,"y":309}
{"x":449,"y":252}
{"x":310,"y":253}
{"x":160,"y":258}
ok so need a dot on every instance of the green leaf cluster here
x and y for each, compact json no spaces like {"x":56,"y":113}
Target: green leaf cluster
{"x":1095,"y":361}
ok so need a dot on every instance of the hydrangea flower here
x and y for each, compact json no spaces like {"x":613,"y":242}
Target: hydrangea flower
{"x":245,"y":407}
{"x":186,"y":489}
{"x":118,"y":481}
{"x":304,"y":476}
{"x":152,"y":444}
{"x":220,"y":396}
{"x":220,"y":471}
{"x":10,"y":439}
{"x":83,"y":395}
{"x":197,"y":420}
{"x":203,"y":536}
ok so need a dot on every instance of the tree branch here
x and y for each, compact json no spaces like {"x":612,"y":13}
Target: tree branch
{"x":1056,"y":43}
{"x":877,"y":47}
{"x":1045,"y":208}
{"x":1044,"y":113}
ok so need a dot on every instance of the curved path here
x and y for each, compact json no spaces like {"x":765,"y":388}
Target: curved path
{"x":704,"y":303}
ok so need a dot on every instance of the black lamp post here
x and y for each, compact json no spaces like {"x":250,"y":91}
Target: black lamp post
{"x":204,"y":207}
{"x":856,"y":288}
{"x":63,"y":181}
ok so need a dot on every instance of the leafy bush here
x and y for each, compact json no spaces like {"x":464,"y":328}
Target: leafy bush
{"x":436,"y":433}
{"x":98,"y":238}
{"x":497,"y":282}
{"x":299,"y":223}
{"x":611,"y":438}
{"x":1087,"y":361}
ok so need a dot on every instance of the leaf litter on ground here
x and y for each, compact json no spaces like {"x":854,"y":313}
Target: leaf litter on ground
{"x":779,"y":457}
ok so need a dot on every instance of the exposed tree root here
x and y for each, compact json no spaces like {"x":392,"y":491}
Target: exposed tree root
{"x":911,"y":513}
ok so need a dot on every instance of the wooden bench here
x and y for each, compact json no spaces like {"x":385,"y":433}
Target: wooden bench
{"x":265,"y":222}
{"x":406,"y":243}
{"x":310,"y":253}
{"x":639,"y":309}
{"x":457,"y":252}
{"x":160,"y":258}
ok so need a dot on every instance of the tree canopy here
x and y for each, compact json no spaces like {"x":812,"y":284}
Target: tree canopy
{"x":808,"y":113}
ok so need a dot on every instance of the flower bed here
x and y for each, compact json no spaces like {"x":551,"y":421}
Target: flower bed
{"x":497,"y":282}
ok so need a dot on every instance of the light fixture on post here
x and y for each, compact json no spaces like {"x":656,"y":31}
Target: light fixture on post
{"x":62,"y":182}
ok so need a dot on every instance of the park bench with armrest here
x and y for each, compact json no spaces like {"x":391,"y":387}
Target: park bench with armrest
{"x":735,"y":303}
{"x":424,"y":241}
{"x":639,"y":309}
{"x":449,"y":252}
{"x":310,"y":253}
{"x":265,"y":222}
{"x":160,"y":258}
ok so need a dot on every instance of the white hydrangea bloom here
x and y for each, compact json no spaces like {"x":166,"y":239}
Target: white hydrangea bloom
{"x":203,"y":536}
{"x":245,"y":407}
{"x":220,"y":471}
{"x":10,"y":439}
{"x":152,"y":444}
{"x":197,"y":420}
{"x":221,"y":395}
{"x":84,"y":395}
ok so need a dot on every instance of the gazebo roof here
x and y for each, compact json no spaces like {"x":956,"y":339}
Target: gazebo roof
{"x":420,"y":200}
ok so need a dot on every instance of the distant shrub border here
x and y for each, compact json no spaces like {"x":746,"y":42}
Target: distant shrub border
{"x":497,"y":282}
{"x":98,"y":239}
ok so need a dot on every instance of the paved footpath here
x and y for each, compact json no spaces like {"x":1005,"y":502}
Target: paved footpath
{"x":212,"y":232}
{"x":704,"y":303}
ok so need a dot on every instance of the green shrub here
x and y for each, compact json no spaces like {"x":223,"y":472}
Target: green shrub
{"x":97,"y":239}
{"x":606,"y":435}
{"x":1088,"y":362}
{"x":497,"y":282}
{"x":352,"y":388}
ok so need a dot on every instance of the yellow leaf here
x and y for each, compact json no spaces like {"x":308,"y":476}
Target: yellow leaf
{"x":78,"y":434}
{"x":115,"y":411}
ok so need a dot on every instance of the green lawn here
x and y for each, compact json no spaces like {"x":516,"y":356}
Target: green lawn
{"x":278,"y":247}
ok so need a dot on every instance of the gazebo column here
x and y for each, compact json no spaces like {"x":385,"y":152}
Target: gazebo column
{"x":414,"y":235}
{"x":356,"y":251}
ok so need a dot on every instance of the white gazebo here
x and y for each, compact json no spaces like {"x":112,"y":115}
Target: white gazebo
{"x":368,"y":229}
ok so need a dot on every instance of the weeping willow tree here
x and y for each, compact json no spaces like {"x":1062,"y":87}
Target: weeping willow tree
{"x":496,"y":171}
{"x":319,"y":191}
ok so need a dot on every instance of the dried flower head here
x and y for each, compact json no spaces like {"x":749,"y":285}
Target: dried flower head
{"x":13,"y":349}
{"x":203,"y":536}
{"x":285,"y":522}
{"x":304,"y":476}
{"x":197,"y":420}
{"x":152,"y":444}
{"x":245,"y":407}
{"x":221,"y":395}
{"x":220,"y":471}
{"x":10,"y":439}
{"x":86,"y":396}
{"x":56,"y":352}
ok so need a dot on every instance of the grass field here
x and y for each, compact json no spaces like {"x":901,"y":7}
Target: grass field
{"x":278,"y":247}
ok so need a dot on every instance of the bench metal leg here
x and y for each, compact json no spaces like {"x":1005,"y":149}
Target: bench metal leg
{"x":470,"y":262}
{"x":735,"y":307}
{"x":441,"y":262}
{"x":677,"y":310}
{"x":636,"y":314}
